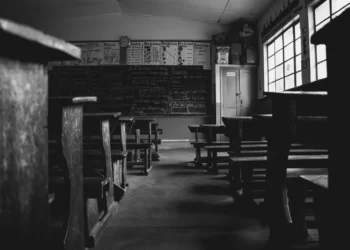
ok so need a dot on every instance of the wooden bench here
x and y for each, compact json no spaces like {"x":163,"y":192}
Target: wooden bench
{"x":96,"y":165}
{"x":210,"y":131}
{"x":107,"y":124}
{"x":145,"y":161}
{"x":25,"y":199}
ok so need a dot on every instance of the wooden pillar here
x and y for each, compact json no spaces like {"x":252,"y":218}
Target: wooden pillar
{"x":24,"y":53}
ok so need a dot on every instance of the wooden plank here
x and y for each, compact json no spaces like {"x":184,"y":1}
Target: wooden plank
{"x":318,"y":180}
{"x":23,"y":155}
{"x":22,"y":41}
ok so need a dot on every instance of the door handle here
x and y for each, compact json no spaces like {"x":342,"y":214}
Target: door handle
{"x":238,"y":94}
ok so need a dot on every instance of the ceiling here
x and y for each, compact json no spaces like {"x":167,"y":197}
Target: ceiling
{"x":210,"y":11}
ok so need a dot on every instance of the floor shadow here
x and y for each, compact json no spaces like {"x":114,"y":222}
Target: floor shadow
{"x":210,"y":189}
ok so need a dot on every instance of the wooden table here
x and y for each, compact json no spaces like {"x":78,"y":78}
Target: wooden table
{"x":24,"y":206}
{"x":338,"y":87}
{"x":211,"y":130}
{"x":281,"y":128}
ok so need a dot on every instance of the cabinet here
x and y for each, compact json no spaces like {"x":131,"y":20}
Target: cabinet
{"x":236,"y":89}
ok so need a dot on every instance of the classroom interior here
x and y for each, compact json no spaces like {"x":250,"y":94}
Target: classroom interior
{"x":177,"y":124}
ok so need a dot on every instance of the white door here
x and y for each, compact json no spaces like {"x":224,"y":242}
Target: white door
{"x":230,"y":91}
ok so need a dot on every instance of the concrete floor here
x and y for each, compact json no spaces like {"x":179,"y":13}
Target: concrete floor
{"x":180,"y":207}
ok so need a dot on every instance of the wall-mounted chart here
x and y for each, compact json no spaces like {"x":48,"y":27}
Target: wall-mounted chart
{"x":135,"y":53}
{"x":185,"y":52}
{"x":201,"y":54}
{"x":182,"y":53}
{"x":152,"y":53}
{"x":170,"y":53}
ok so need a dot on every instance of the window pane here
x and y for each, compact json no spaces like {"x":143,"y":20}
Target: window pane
{"x":289,"y":67}
{"x":289,"y":51}
{"x":320,"y":26}
{"x":297,"y":30}
{"x":279,"y":86}
{"x":298,"y":46}
{"x":321,"y":52}
{"x":271,"y":49}
{"x":290,"y":82}
{"x":288,"y":36}
{"x":299,"y":79}
{"x":279,"y":72}
{"x":322,"y":70}
{"x":322,"y":12}
{"x":278,"y":43}
{"x":298,"y":63}
{"x":279,"y":57}
{"x":272,"y":75}
{"x":272,"y":87}
{"x":271,"y":62}
{"x":338,"y":4}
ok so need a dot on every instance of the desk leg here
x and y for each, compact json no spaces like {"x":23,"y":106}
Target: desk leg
{"x":72,"y":138}
{"x":279,"y":140}
{"x":138,"y":140}
{"x":157,"y":137}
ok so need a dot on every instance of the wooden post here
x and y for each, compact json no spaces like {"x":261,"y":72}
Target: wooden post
{"x":24,"y":53}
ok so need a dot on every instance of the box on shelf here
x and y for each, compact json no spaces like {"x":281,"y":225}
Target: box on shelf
{"x":251,"y":56}
{"x":235,"y":59}
{"x":222,"y":54}
{"x":236,"y":48}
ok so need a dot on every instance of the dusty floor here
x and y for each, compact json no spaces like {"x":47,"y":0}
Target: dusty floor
{"x":178,"y":206}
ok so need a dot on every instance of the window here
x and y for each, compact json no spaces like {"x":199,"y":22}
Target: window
{"x":324,"y":12}
{"x":284,"y":60}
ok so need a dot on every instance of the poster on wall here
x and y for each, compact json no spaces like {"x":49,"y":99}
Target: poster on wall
{"x":201,"y":54}
{"x":111,"y":53}
{"x":170,"y":53}
{"x":185,"y":53}
{"x":152,"y":53}
{"x":135,"y":53}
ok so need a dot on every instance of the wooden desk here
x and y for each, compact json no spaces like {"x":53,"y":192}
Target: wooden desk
{"x":338,"y":87}
{"x":24,"y":206}
{"x":280,"y":129}
{"x":211,"y":130}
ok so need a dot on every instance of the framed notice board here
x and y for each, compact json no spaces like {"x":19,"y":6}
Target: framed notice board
{"x":137,"y":90}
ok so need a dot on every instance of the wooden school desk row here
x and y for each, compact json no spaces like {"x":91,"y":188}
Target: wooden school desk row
{"x":304,"y":144}
{"x":62,"y":169}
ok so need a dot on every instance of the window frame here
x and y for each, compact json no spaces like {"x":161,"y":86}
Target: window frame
{"x":280,"y":35}
{"x":316,"y":25}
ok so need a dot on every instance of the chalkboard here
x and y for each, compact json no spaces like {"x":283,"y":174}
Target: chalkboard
{"x":137,"y":90}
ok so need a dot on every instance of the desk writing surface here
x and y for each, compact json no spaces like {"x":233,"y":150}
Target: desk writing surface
{"x":113,"y":114}
{"x":296,"y":94}
{"x":319,"y":180}
{"x":212,"y":125}
{"x":238,"y":118}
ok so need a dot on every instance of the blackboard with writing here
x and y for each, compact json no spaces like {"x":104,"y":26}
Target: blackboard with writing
{"x":137,"y":90}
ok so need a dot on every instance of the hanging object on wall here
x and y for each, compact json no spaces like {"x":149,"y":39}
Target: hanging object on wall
{"x":124,"y":42}
{"x":219,"y":38}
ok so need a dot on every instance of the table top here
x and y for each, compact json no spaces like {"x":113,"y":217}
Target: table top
{"x":319,"y":180}
{"x":115,"y":115}
{"x":126,"y":118}
{"x":147,"y":119}
{"x":239,"y":118}
{"x":297,"y":94}
{"x":212,"y":125}
{"x":42,"y":46}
